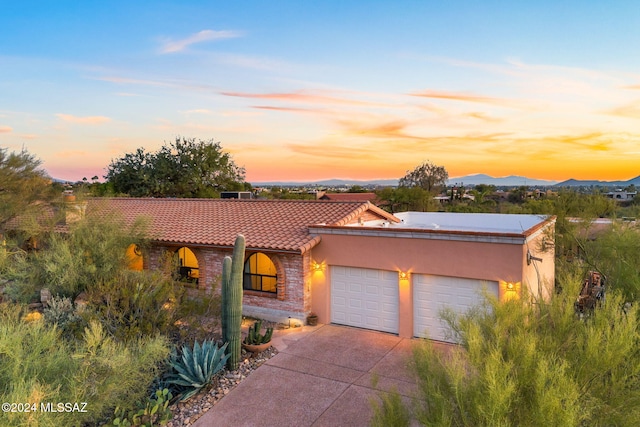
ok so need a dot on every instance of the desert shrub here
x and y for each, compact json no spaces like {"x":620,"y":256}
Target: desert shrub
{"x":62,"y":313}
{"x":388,"y":408}
{"x":198,"y":315}
{"x":38,"y":366}
{"x":154,"y":412}
{"x":534,"y":364}
{"x":113,"y":374}
{"x":616,"y":253}
{"x":94,"y":251}
{"x":135,"y":304}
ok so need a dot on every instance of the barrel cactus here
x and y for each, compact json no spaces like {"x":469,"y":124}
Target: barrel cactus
{"x":232,"y":273}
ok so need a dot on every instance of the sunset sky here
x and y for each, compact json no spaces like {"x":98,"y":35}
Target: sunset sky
{"x":302,"y":90}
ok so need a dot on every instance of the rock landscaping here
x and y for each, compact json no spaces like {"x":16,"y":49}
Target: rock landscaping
{"x":186,"y":413}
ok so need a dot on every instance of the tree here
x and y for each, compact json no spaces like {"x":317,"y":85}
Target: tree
{"x":406,"y":199}
{"x":427,"y":175}
{"x":481,"y":191}
{"x":184,"y":168}
{"x":22,"y":185}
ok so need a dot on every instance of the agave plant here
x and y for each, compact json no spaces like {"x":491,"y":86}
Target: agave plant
{"x":196,"y":367}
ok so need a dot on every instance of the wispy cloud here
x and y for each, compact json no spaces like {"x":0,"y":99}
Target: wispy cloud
{"x":289,"y":109}
{"x":88,"y":120}
{"x":128,"y":80}
{"x":198,"y":111}
{"x":5,"y":129}
{"x":173,"y":46}
{"x":253,"y":62}
{"x":464,"y":97}
{"x":630,"y":110}
{"x":302,"y":97}
{"x":482,"y":116}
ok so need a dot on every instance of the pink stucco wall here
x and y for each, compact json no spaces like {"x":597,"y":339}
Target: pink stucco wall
{"x":501,"y":262}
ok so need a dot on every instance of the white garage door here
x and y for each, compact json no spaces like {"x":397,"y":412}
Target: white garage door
{"x":432,"y":293}
{"x":364,"y":298}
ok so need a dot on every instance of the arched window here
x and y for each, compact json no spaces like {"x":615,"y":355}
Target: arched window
{"x":134,"y":258}
{"x":260,"y":274}
{"x":187,"y":265}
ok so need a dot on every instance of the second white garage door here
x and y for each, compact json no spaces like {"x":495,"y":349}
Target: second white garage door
{"x":365,"y":298}
{"x":432,"y":293}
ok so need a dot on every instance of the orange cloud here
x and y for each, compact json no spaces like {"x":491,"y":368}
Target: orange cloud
{"x":334,"y":151}
{"x":5,"y":129}
{"x":89,"y":120}
{"x":482,"y":116}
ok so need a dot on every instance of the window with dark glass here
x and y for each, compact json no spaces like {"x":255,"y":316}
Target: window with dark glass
{"x":260,"y":274}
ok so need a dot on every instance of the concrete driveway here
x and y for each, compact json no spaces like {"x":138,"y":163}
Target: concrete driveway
{"x":322,"y":376}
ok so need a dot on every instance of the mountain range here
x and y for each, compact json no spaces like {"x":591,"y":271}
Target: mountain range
{"x":465,"y":180}
{"x":578,"y":182}
{"x":475,"y":179}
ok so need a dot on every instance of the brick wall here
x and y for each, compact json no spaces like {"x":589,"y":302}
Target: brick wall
{"x":294,"y":275}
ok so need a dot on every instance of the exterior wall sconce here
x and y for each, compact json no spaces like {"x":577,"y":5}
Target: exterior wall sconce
{"x":315,"y":266}
{"x":403,"y":275}
{"x":509,"y":291}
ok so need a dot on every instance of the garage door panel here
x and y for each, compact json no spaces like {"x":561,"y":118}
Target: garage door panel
{"x":431,"y":294}
{"x":371,"y":298}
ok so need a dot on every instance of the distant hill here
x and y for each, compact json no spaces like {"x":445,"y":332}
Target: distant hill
{"x":328,"y":183}
{"x":587,"y":183}
{"x":506,"y":181}
{"x":465,"y":180}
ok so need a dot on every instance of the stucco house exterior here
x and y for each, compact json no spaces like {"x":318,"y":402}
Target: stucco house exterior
{"x":350,"y":262}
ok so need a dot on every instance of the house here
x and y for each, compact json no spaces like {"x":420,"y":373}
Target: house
{"x":621,"y":195}
{"x":348,"y":261}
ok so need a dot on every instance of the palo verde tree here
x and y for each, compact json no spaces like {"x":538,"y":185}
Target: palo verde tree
{"x":183,"y":168}
{"x":22,"y":185}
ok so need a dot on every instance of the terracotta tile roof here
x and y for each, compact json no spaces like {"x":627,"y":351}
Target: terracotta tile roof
{"x":280,"y":225}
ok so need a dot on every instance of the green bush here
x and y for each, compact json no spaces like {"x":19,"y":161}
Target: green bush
{"x":540,"y":364}
{"x":155,"y":412}
{"x":135,"y":304}
{"x":93,"y":252}
{"x":62,"y":313}
{"x":38,"y":366}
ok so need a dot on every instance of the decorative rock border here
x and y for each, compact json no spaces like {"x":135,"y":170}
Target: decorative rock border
{"x":186,"y":413}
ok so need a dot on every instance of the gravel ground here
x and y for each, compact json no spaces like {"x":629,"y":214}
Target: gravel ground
{"x":186,"y":413}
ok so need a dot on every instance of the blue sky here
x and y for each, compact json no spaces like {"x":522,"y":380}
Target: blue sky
{"x":302,"y":90}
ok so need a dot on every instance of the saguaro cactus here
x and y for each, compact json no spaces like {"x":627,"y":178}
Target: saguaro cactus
{"x":232,"y":301}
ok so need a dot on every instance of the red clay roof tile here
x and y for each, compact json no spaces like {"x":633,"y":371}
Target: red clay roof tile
{"x":280,"y":225}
